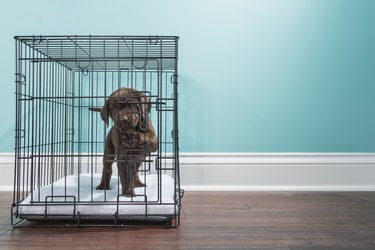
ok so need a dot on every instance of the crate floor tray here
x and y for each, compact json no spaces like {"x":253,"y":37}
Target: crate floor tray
{"x":76,"y":194}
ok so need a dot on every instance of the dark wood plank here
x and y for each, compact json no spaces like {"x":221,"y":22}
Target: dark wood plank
{"x":224,"y":220}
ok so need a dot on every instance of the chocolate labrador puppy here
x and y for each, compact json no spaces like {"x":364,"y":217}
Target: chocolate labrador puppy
{"x":130,"y":140}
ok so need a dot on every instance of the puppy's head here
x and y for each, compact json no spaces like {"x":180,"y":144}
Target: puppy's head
{"x":128,"y":108}
{"x":125,"y":115}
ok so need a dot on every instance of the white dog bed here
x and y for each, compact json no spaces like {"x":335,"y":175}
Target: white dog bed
{"x":91,"y":201}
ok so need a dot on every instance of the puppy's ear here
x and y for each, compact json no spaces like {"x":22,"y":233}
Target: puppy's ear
{"x":104,"y":112}
{"x":145,"y":103}
{"x":95,"y":109}
{"x":145,"y":106}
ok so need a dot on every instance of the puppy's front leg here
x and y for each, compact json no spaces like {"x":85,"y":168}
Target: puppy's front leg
{"x":126,"y":177}
{"x":109,"y":156}
{"x":136,"y":180}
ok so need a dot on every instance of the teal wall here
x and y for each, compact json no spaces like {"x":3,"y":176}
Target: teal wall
{"x":255,"y":76}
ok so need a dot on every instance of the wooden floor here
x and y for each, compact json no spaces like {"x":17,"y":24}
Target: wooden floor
{"x":230,"y":220}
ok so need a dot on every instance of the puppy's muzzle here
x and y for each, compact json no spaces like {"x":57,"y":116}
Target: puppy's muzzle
{"x":124,"y":124}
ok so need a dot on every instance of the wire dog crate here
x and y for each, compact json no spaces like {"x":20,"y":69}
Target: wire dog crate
{"x":59,"y":141}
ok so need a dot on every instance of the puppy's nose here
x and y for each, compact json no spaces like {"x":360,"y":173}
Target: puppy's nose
{"x":124,"y":121}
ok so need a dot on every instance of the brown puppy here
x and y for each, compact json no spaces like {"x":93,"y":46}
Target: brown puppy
{"x":130,"y":140}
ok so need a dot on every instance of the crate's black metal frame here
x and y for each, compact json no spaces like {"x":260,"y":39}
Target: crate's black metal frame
{"x":57,"y":79}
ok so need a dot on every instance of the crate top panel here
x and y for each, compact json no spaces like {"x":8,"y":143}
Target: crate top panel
{"x":101,"y":53}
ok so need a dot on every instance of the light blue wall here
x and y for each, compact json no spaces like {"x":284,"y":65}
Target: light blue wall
{"x":255,"y":76}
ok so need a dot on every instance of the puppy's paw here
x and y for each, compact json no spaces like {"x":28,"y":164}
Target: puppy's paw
{"x":153,"y":144}
{"x":102,"y":187}
{"x":138,"y":183}
{"x":128,"y":193}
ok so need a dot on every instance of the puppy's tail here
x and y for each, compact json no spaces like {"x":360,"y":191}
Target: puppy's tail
{"x":95,"y":109}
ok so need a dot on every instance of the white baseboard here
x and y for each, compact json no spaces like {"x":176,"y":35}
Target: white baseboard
{"x":278,"y":171}
{"x":260,"y":171}
{"x":250,"y":188}
{"x":7,"y":171}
